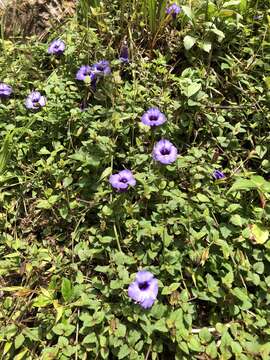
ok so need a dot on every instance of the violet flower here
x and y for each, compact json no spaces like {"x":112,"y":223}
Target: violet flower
{"x":83,"y":72}
{"x":35,"y":100}
{"x":153,"y":117}
{"x":217,"y":175}
{"x":101,"y":68}
{"x":56,"y":47}
{"x":144,"y":289}
{"x":122,"y":180}
{"x":173,"y":10}
{"x":164,"y":152}
{"x":5,"y":91}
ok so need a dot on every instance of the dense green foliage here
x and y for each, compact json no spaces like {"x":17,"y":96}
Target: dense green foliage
{"x":70,"y":245}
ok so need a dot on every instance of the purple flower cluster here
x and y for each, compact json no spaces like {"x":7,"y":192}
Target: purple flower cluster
{"x":90,"y":74}
{"x":5,"y":91}
{"x":57,"y":47}
{"x":122,"y":180}
{"x":153,"y":117}
{"x":164,"y":152}
{"x":35,"y":100}
{"x":173,"y":10}
{"x":144,"y":289}
{"x":218,"y":175}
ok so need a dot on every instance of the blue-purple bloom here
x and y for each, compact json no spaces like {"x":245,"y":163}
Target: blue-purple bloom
{"x":173,"y":10}
{"x":164,"y":152}
{"x":5,"y":91}
{"x":122,"y":180}
{"x":84,"y":71}
{"x":124,"y":54}
{"x":56,"y":47}
{"x":153,"y":117}
{"x":101,"y":68}
{"x":217,"y":175}
{"x":35,"y":100}
{"x":144,"y":289}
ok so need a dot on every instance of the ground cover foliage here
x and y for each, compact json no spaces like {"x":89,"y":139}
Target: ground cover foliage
{"x":71,"y":245}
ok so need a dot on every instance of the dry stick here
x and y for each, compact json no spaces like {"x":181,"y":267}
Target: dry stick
{"x":148,"y":352}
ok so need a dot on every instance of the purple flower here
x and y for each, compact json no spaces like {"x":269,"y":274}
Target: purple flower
{"x":124,"y":53}
{"x":153,"y":117}
{"x":35,"y":100}
{"x":84,"y":71}
{"x":101,"y":68}
{"x":122,"y":180}
{"x":217,"y":175}
{"x":144,"y":289}
{"x":164,"y":152}
{"x":173,"y":10}
{"x":5,"y":90}
{"x":56,"y":47}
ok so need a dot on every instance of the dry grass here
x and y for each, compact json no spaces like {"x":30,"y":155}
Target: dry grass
{"x":21,"y":18}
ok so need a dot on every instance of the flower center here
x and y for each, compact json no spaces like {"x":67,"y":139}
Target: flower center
{"x":153,"y":118}
{"x":165,"y":151}
{"x":144,"y":285}
{"x":123,"y":180}
{"x":100,"y":68}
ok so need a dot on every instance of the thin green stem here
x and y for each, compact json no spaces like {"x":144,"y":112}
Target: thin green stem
{"x":117,"y":238}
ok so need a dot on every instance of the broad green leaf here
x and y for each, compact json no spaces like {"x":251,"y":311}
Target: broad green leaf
{"x":232,"y":3}
{"x":19,"y":340}
{"x":123,"y":352}
{"x":206,"y":46}
{"x":160,"y":325}
{"x":66,"y":289}
{"x":187,"y":11}
{"x":259,"y":234}
{"x":192,"y":89}
{"x":189,"y":41}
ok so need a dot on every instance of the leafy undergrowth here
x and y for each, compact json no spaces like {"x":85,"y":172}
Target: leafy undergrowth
{"x":71,"y":244}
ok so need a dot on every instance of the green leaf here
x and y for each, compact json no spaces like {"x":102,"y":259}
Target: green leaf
{"x":121,"y":330}
{"x":194,"y":344}
{"x":242,"y":184}
{"x":236,"y":220}
{"x":19,"y":340}
{"x":123,"y":352}
{"x":187,"y":11}
{"x":211,"y":350}
{"x":259,"y":234}
{"x":189,"y":42}
{"x":206,"y":46}
{"x":66,"y":289}
{"x":192,"y":89}
{"x":160,"y":325}
{"x":90,"y":338}
{"x":67,"y":181}
{"x":169,"y":289}
{"x":231,"y":3}
{"x":202,"y":198}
